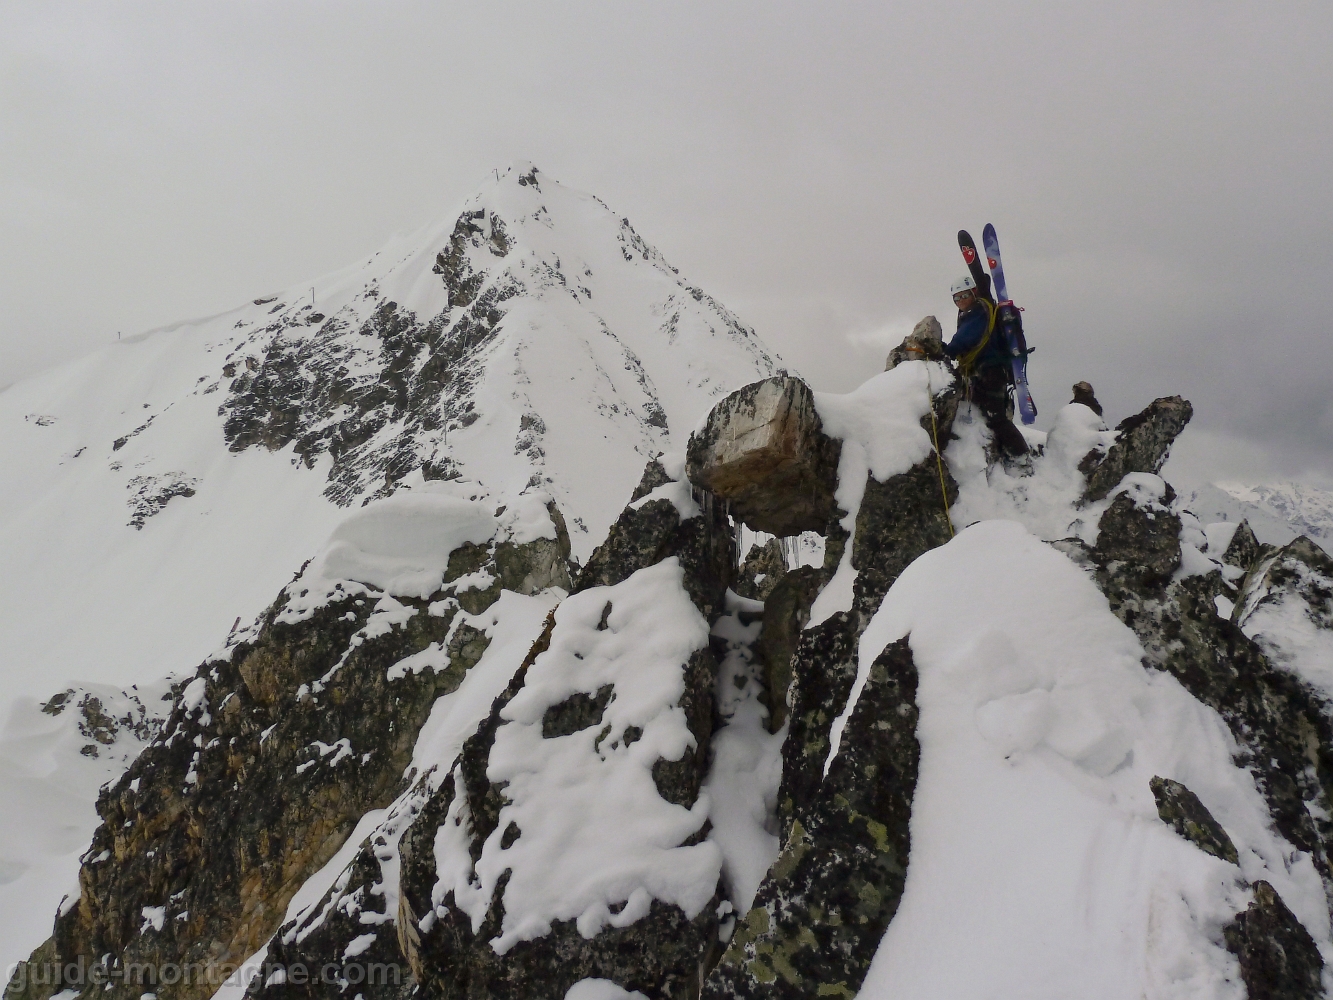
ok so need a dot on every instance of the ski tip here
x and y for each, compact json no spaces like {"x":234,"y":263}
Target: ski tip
{"x":964,"y":236}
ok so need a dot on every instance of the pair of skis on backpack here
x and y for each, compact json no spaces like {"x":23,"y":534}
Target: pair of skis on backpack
{"x":1010,"y":317}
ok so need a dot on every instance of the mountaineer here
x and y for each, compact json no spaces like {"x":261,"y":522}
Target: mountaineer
{"x":983,"y":362}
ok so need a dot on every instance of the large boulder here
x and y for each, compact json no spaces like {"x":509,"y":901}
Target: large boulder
{"x":763,"y":451}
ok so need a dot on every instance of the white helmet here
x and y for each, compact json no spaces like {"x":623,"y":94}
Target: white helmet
{"x":963,"y":284}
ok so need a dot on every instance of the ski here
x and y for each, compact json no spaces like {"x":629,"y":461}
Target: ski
{"x":973,"y":261}
{"x":1012,"y":322}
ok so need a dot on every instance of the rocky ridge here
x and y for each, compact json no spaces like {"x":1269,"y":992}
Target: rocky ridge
{"x":521,"y":683}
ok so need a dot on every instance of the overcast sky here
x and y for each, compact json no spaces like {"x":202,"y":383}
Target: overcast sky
{"x":1159,"y":174}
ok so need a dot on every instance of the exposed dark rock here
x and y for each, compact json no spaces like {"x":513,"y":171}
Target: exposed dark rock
{"x":222,"y":819}
{"x":409,"y":376}
{"x":36,"y":979}
{"x":786,"y":611}
{"x":1282,"y":725}
{"x":531,"y":567}
{"x":1142,"y":445}
{"x":654,"y":475}
{"x":1181,"y":809}
{"x":646,"y":535}
{"x":763,"y":568}
{"x":763,"y":450}
{"x":1278,"y":958}
{"x":899,"y":519}
{"x":266,"y":764}
{"x":1300,"y":572}
{"x":149,"y":495}
{"x":658,"y":954}
{"x":1143,"y":538}
{"x":829,"y":897}
{"x":578,"y":711}
{"x":1244,"y":550}
{"x":104,"y":727}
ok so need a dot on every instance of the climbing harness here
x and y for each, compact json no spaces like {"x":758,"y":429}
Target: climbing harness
{"x":968,"y":360}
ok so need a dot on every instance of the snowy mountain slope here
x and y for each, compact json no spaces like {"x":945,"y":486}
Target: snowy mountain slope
{"x":1276,"y":513}
{"x":996,"y":734}
{"x":165,"y":486}
{"x":54,"y":757}
{"x":1042,"y":868}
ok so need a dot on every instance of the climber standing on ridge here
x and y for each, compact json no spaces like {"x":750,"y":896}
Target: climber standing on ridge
{"x":983,"y":363}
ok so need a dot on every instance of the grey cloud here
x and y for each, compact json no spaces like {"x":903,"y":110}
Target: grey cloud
{"x":1157,"y":173}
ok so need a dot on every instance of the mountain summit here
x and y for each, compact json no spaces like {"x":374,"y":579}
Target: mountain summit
{"x":531,"y":342}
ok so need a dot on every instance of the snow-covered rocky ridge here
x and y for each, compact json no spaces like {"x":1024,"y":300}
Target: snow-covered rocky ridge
{"x":531,"y":348}
{"x":1276,"y":513}
{"x":160,"y":488}
{"x":1043,"y":734}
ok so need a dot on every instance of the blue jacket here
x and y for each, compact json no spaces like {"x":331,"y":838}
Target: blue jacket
{"x":972,"y":327}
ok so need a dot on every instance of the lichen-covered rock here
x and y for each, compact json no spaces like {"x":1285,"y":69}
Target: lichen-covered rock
{"x":763,"y":567}
{"x":1278,"y":958}
{"x":925,"y":341}
{"x":1244,"y":549}
{"x":820,"y":913}
{"x":271,"y":755}
{"x":764,"y":452}
{"x":898,"y":520}
{"x":1143,"y":536}
{"x":786,"y":611}
{"x":1142,"y":445}
{"x":1286,"y":600}
{"x":1282,"y":725}
{"x":455,"y":933}
{"x":1181,"y":809}
{"x":654,"y":527}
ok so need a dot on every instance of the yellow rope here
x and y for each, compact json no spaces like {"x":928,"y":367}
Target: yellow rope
{"x":935,"y":439}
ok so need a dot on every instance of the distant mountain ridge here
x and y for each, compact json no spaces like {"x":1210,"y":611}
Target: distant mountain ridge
{"x":183,"y":475}
{"x":157,"y":494}
{"x":1276,"y":512}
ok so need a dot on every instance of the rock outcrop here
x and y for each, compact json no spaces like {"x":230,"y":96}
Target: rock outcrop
{"x":763,"y":451}
{"x":1282,"y":725}
{"x":831,"y":893}
{"x":925,"y":341}
{"x":1278,"y":958}
{"x":761,"y":571}
{"x":474,"y":934}
{"x":1182,"y":811}
{"x":821,"y":911}
{"x":786,"y":611}
{"x":271,"y":755}
{"x":556,"y":824}
{"x":1143,"y":444}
